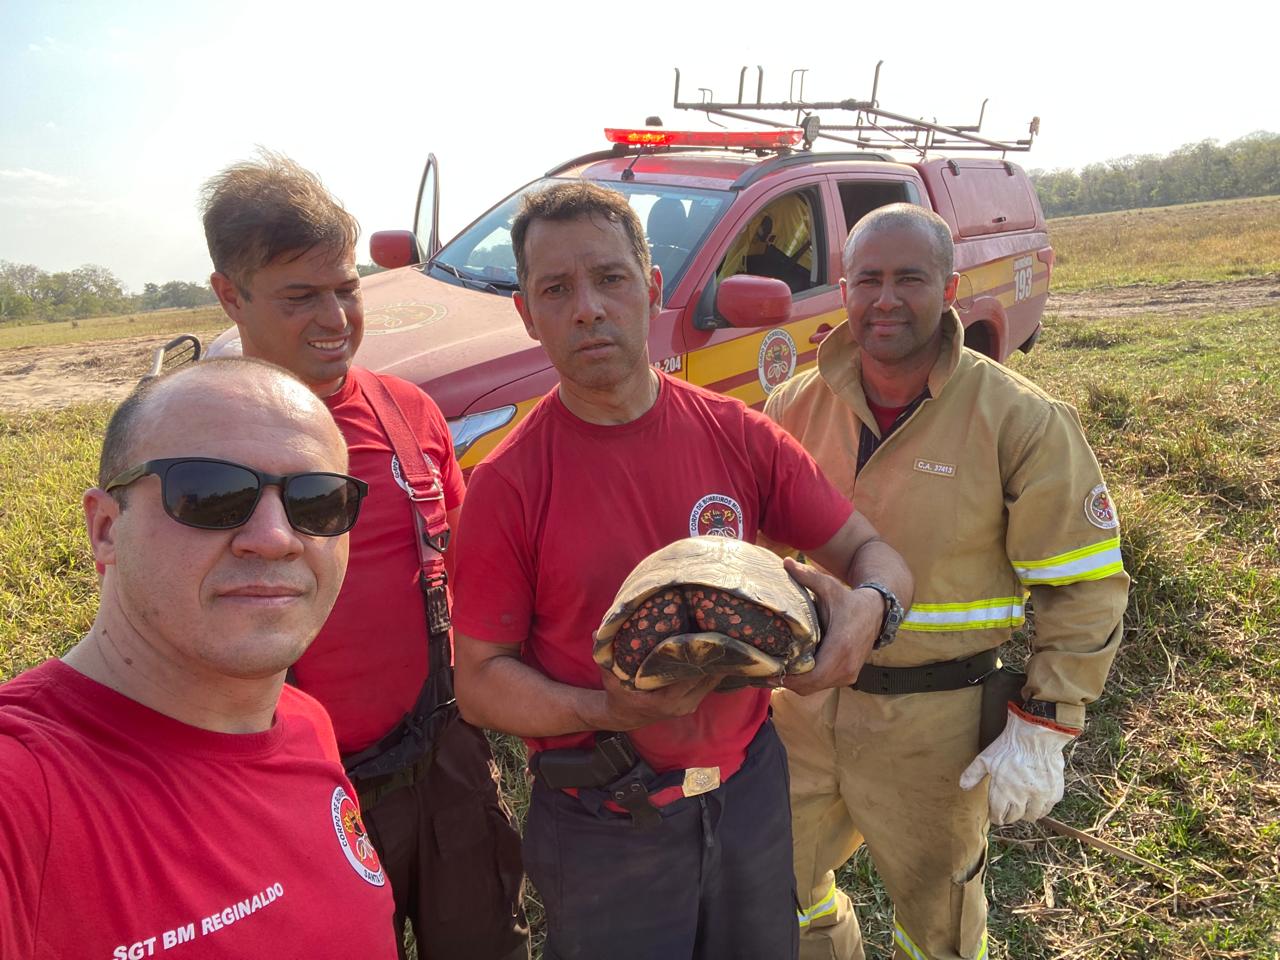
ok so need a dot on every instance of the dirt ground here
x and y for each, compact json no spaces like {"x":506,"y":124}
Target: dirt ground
{"x":44,"y":377}
{"x":1181,"y":298}
{"x":49,"y":377}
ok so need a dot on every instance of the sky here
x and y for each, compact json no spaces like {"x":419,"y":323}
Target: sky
{"x":112,"y":114}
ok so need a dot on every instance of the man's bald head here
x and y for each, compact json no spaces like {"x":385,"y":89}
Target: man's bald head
{"x":906,"y":216}
{"x":234,"y":382}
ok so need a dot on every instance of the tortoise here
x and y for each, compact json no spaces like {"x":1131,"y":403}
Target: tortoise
{"x":708,"y":605}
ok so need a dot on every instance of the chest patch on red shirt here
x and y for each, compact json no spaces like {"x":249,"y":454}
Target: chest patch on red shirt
{"x":716,"y":515}
{"x":354,"y":839}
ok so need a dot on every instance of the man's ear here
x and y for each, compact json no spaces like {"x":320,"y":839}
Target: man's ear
{"x":844,"y":291}
{"x":228,"y":295}
{"x":949,"y":291}
{"x":522,"y":307}
{"x":101,"y":511}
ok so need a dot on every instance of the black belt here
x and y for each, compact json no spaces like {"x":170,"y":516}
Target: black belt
{"x":948,"y":675}
{"x":612,"y":765}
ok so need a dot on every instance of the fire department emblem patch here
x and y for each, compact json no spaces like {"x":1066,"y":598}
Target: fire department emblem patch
{"x":777,"y":359}
{"x":716,"y":515}
{"x":1098,"y":509}
{"x":399,"y":317}
{"x":354,"y":839}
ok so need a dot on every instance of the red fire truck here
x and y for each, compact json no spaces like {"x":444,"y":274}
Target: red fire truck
{"x":747,"y":228}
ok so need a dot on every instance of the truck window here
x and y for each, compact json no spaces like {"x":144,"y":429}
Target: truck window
{"x":989,"y":197}
{"x":676,"y":220}
{"x":779,"y":242}
{"x":860,"y":197}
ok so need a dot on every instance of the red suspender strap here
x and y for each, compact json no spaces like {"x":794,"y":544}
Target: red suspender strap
{"x":424,"y":485}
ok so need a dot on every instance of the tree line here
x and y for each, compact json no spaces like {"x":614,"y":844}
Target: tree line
{"x":28,"y":293}
{"x":1248,"y":167}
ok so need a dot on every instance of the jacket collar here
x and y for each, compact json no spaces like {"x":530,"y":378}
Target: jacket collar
{"x":840,"y":363}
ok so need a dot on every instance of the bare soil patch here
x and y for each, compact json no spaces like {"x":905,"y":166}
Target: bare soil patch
{"x":1180,"y":298}
{"x":53,"y":377}
{"x":106,"y":370}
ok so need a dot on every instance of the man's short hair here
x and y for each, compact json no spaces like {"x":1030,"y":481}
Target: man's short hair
{"x":117,"y":441}
{"x":260,"y":211}
{"x":569,"y":201}
{"x":912,"y":217}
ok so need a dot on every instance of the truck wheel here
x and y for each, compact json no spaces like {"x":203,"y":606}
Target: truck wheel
{"x":978,"y":337}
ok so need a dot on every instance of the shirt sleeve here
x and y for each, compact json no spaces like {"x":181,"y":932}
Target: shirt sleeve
{"x":24,"y":847}
{"x":494,"y":572}
{"x":1063,"y":540}
{"x":799,"y":506}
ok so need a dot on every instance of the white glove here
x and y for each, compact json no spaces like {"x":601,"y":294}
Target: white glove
{"x":1025,"y":766}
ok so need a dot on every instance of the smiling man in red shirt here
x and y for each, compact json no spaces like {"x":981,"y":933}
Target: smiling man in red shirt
{"x":285,"y":271}
{"x":616,"y":462}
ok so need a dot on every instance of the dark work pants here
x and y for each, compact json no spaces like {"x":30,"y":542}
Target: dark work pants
{"x":713,"y":881}
{"x":452,"y":855}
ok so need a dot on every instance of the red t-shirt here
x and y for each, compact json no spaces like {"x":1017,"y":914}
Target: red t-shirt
{"x":369,"y":661}
{"x":124,"y":833}
{"x":885,"y":416}
{"x":559,"y":514}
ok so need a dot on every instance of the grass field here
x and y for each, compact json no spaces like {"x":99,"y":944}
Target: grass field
{"x":204,"y":322}
{"x":1180,"y":765}
{"x":1222,"y":240}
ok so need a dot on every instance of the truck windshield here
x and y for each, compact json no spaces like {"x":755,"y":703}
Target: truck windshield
{"x":676,"y":220}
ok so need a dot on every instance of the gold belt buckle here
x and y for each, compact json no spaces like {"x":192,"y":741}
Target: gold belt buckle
{"x":700,"y":780}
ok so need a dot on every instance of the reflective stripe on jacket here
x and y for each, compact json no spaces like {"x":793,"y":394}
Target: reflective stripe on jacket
{"x":990,"y":491}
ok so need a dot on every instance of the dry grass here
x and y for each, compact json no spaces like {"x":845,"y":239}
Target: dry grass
{"x":1198,"y":241}
{"x":1181,"y":760}
{"x":204,"y":322}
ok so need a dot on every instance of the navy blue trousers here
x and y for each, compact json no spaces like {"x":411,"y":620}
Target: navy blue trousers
{"x":713,"y":881}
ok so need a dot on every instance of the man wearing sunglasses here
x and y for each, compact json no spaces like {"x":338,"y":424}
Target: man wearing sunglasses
{"x":161,"y":785}
{"x":283,"y":251}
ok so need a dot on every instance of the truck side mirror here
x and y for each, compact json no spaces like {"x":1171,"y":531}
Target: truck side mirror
{"x":394,"y":248}
{"x":749,"y":301}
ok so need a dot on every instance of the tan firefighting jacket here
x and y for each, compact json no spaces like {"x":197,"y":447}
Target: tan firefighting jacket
{"x":990,"y":493}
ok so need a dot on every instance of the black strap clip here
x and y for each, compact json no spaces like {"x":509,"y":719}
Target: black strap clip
{"x":434,"y":589}
{"x":633,"y":797}
{"x":440,"y":542}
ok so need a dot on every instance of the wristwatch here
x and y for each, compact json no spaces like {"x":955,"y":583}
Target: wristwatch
{"x":893,"y":614}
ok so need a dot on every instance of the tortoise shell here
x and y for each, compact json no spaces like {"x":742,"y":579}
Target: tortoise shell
{"x":708,"y":605}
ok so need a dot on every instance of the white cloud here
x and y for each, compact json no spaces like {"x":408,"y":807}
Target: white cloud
{"x":38,"y":177}
{"x":49,"y":45}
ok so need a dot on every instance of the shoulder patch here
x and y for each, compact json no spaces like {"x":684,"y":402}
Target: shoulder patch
{"x":354,"y":839}
{"x":1098,"y":509}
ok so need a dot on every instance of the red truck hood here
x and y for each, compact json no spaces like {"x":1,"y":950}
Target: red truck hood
{"x":457,"y":343}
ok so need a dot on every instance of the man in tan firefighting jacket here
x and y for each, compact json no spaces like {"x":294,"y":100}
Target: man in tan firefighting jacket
{"x":989,"y":490}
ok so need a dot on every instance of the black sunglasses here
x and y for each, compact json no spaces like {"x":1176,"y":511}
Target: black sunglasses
{"x":220,"y":495}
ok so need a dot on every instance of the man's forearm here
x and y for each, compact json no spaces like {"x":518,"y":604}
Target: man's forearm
{"x":505,"y":694}
{"x":878,"y":562}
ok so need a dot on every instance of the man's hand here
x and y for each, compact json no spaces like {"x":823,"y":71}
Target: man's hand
{"x":627,"y":709}
{"x":853,"y":620}
{"x":1025,"y":765}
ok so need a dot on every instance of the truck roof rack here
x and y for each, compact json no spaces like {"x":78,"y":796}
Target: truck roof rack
{"x":872,"y":126}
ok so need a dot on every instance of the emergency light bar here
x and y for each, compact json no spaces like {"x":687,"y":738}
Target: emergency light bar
{"x":747,"y":139}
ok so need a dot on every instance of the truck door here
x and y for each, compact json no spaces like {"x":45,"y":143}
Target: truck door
{"x":784,"y":234}
{"x":426,"y":214}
